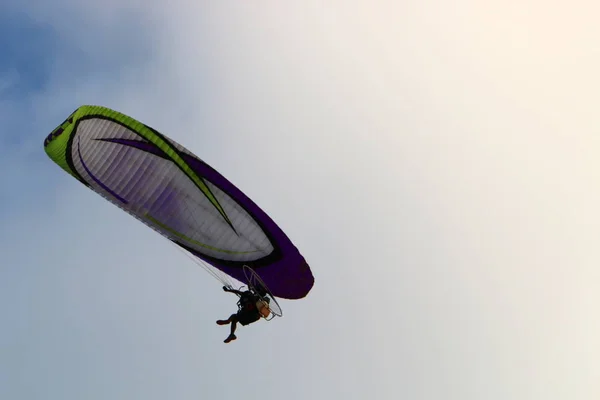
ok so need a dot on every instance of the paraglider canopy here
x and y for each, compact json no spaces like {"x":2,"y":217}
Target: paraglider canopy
{"x":171,"y":190}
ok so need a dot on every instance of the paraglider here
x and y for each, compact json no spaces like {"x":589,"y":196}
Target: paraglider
{"x":254,"y":303}
{"x":171,"y":190}
{"x":250,"y":308}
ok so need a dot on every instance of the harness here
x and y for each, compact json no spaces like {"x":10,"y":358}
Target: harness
{"x":247,"y":301}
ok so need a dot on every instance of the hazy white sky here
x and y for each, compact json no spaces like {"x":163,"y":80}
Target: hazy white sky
{"x":435,"y":162}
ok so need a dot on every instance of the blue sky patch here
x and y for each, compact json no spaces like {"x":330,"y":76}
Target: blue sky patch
{"x":27,"y":48}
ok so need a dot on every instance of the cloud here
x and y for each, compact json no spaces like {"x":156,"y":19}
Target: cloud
{"x":9,"y":80}
{"x":436,"y":168}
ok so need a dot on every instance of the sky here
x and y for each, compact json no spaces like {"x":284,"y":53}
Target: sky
{"x":435,"y":162}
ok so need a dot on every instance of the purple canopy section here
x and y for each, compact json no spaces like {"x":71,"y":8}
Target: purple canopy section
{"x":289,"y":275}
